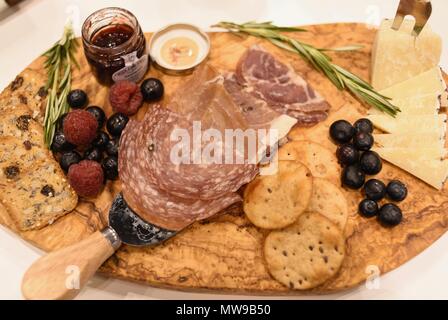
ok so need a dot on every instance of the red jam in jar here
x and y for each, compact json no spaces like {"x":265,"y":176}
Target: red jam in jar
{"x":112,"y":36}
{"x":115,"y":46}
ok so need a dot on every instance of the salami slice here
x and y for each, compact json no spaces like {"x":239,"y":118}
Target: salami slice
{"x":151,"y":203}
{"x":199,"y":175}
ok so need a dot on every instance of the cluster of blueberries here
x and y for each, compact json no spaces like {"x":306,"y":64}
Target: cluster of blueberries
{"x":356,"y":158}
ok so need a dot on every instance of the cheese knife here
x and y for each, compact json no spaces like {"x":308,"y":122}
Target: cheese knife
{"x":63,"y":273}
{"x":420,"y":9}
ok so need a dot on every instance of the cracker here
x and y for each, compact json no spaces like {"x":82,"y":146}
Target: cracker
{"x":37,"y":195}
{"x":307,"y":253}
{"x":18,"y":122}
{"x":328,"y":200}
{"x":276,"y":201}
{"x":27,"y":89}
{"x":321,"y":161}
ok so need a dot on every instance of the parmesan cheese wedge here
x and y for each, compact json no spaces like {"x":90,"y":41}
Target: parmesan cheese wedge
{"x":432,"y":139}
{"x":411,"y":124}
{"x":398,"y":55}
{"x":430,"y":82}
{"x":433,"y":172}
{"x":429,"y":104}
{"x":427,"y":152}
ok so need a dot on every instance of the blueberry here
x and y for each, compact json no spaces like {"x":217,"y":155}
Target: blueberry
{"x":101,"y":140}
{"x":363,"y":125}
{"x":347,"y":154}
{"x":353,"y":177}
{"x":363,"y":141}
{"x":375,"y":189}
{"x":77,"y":98}
{"x":370,"y":163}
{"x":68,"y":158}
{"x":99,"y":115}
{"x":342,"y":131}
{"x":94,"y":154}
{"x":112,"y":147}
{"x":368,"y":208}
{"x":396,"y":190}
{"x":152,"y":89}
{"x":116,"y":123}
{"x":60,"y":143}
{"x":110,"y":167}
{"x":390,"y":215}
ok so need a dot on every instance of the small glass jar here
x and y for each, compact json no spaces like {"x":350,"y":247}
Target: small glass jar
{"x":115,"y":46}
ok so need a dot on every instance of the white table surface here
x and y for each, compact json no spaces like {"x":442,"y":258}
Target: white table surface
{"x":27,"y":32}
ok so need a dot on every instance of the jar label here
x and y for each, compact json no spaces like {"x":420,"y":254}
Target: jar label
{"x":134,"y":69}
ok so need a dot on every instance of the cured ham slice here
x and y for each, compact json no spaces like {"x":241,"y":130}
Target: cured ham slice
{"x":203,"y":98}
{"x":268,"y":79}
{"x":255,"y":110}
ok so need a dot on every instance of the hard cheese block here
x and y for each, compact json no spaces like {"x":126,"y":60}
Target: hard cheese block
{"x":406,"y":140}
{"x":411,"y":124}
{"x":433,"y":172}
{"x":432,"y":152}
{"x":420,"y":105}
{"x":427,"y":83}
{"x":398,"y":55}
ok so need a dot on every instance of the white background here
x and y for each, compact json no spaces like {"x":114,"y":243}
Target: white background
{"x":28,"y":31}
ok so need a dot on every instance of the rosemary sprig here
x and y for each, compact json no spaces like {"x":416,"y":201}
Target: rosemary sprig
{"x":340,"y":77}
{"x":58,"y":63}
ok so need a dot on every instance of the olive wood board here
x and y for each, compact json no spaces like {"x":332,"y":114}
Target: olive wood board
{"x":224,"y":254}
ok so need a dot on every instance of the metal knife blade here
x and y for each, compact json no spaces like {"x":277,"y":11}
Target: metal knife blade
{"x":133,"y":230}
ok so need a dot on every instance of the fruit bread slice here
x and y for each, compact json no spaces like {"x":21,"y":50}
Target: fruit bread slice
{"x":36,"y":195}
{"x":18,"y":122}
{"x":15,"y":152}
{"x":27,"y":88}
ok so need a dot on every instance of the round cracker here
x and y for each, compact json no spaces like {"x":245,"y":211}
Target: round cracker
{"x":276,"y":201}
{"x":320,"y":160}
{"x":307,"y":253}
{"x":328,"y":200}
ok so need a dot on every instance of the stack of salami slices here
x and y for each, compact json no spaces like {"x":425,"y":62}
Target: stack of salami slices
{"x":168,"y":181}
{"x":165,"y":192}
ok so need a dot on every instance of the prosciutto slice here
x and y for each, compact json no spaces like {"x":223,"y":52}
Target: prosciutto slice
{"x":267,"y":79}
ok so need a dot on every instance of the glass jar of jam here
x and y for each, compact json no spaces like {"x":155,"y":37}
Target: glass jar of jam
{"x":115,"y":46}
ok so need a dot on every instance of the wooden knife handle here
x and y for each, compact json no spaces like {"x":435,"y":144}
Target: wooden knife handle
{"x":62,"y":274}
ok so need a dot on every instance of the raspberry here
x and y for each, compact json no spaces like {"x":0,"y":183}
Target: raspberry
{"x":80,"y":127}
{"x":125,"y":97}
{"x":86,"y":178}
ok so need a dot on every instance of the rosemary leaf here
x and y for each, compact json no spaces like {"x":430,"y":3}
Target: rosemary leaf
{"x":353,"y":47}
{"x":59,"y":59}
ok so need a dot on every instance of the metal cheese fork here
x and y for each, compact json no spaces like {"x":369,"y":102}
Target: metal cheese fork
{"x":420,"y":9}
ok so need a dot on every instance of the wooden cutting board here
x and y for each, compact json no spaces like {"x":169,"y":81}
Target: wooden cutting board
{"x":225,"y":252}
